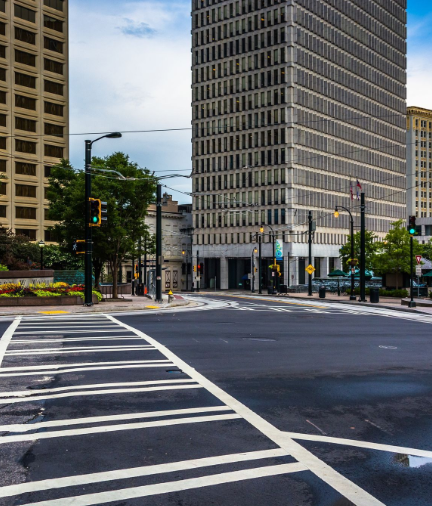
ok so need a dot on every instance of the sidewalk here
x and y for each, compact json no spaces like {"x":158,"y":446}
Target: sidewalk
{"x":130,"y":303}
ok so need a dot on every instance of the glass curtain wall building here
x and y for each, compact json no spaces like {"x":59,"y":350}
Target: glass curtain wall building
{"x":298,"y":105}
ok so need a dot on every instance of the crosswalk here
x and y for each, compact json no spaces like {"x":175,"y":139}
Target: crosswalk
{"x":108,"y":415}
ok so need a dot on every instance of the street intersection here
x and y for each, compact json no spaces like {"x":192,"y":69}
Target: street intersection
{"x":237,"y":401}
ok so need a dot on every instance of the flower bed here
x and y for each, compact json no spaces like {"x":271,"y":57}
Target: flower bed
{"x":57,"y":293}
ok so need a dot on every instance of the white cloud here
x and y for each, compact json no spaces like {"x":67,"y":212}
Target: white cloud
{"x":132,"y":73}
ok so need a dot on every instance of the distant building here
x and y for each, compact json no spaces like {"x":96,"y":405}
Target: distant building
{"x":419,"y":169}
{"x":34,"y":109}
{"x":292,"y":103}
{"x":176,"y":245}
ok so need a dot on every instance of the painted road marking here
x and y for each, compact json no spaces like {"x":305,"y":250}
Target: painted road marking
{"x":172,"y":486}
{"x":102,"y":429}
{"x":66,"y":331}
{"x":72,"y":340}
{"x":343,"y":485}
{"x":54,"y":367}
{"x":135,"y":472}
{"x":7,"y":336}
{"x":361,"y":444}
{"x":82,"y":393}
{"x":28,"y":393}
{"x":89,"y":349}
{"x":54,"y":312}
{"x":110,"y":418}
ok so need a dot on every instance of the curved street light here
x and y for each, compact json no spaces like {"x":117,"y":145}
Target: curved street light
{"x":336,"y":215}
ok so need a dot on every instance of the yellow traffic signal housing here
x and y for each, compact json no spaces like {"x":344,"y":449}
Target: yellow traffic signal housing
{"x":95,"y":212}
{"x":79,"y":247}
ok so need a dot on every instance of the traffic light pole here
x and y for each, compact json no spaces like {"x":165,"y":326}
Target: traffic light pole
{"x":259,"y":264}
{"x":159,"y":243}
{"x":310,"y":253}
{"x":88,"y":231}
{"x":198,"y":273}
{"x":411,"y":303}
{"x":362,"y":249}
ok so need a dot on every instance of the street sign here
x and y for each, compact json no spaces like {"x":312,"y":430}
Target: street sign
{"x":310,"y":269}
{"x":418,"y":258}
{"x":418,"y":270}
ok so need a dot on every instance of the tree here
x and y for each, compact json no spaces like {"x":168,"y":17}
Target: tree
{"x":372,"y":248}
{"x":427,"y":250}
{"x":58,"y":257}
{"x":128,"y":202}
{"x":395,"y":256}
{"x":17,"y":252}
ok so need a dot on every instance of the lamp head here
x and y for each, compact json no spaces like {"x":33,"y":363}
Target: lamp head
{"x":256,"y":250}
{"x":183,"y":252}
{"x":261,"y":229}
{"x":41,"y":244}
{"x":336,"y":213}
{"x":114,"y":135}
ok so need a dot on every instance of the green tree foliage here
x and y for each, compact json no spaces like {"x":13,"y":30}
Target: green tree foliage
{"x":127,"y":207}
{"x":59,"y":258}
{"x":372,"y":250}
{"x":427,"y":250}
{"x":395,"y":255}
{"x":17,"y":252}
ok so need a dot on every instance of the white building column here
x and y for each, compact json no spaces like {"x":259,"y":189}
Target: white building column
{"x":224,"y":273}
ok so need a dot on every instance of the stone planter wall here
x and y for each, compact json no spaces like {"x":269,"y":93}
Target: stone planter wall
{"x":26,"y":278}
{"x":44,"y":301}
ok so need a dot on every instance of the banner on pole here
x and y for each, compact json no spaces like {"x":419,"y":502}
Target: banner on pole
{"x":279,"y":249}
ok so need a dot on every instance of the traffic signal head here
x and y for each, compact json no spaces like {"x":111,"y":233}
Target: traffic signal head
{"x":412,"y":225}
{"x":103,"y":212}
{"x":95,"y":212}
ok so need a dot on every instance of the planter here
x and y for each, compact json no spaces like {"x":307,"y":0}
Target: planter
{"x":26,"y":278}
{"x":44,"y":301}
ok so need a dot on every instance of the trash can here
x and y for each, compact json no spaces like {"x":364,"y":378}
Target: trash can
{"x":140,"y":289}
{"x":374,"y":295}
{"x":322,"y":292}
{"x":283,"y":289}
{"x":270,"y":290}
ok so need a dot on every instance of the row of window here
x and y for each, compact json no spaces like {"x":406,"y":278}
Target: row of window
{"x":240,"y":180}
{"x":245,"y":238}
{"x":25,"y":168}
{"x":23,"y":190}
{"x":241,"y":218}
{"x":256,"y":159}
{"x":239,"y":46}
{"x":30,"y":60}
{"x":349,"y":80}
{"x":354,"y":62}
{"x":29,"y":103}
{"x":346,"y":32}
{"x":240,"y":103}
{"x":238,"y":123}
{"x":30,"y":148}
{"x":231,"y":200}
{"x":378,"y":21}
{"x":238,"y":66}
{"x":372,"y":139}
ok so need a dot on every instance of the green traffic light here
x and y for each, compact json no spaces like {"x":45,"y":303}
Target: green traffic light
{"x":95,"y":220}
{"x":412,"y":231}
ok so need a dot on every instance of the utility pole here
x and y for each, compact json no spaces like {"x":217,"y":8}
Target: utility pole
{"x":139,"y":262}
{"x":259,"y":264}
{"x":145,"y":261}
{"x":198,"y":273}
{"x":363,"y":249}
{"x":88,"y":231}
{"x":159,"y":243}
{"x":411,"y":303}
{"x":310,"y":253}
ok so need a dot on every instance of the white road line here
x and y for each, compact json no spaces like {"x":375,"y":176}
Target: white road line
{"x":29,"y":393}
{"x":101,"y":346}
{"x":98,"y":392}
{"x":66,"y":331}
{"x":135,"y":472}
{"x":361,"y":444}
{"x":28,"y":328}
{"x":89,"y":349}
{"x":25,"y":427}
{"x":172,"y":486}
{"x":54,"y":367}
{"x":344,"y":486}
{"x":6,"y":338}
{"x":72,"y":340}
{"x":146,"y":364}
{"x":102,"y":429}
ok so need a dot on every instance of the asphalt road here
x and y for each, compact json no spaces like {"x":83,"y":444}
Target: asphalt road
{"x":245,"y":402}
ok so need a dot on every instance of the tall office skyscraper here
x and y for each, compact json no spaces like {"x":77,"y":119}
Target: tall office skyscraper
{"x":33,"y":108}
{"x":294,"y":103}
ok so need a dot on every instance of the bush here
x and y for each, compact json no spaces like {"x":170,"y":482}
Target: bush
{"x":401,"y":293}
{"x":46,"y":293}
{"x":3,"y":268}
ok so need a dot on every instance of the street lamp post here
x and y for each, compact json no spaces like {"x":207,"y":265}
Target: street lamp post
{"x":336,"y":215}
{"x":41,"y":246}
{"x":88,"y":230}
{"x":253,"y":269}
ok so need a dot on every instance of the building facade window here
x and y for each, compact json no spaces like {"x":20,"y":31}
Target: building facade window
{"x":24,"y":13}
{"x":25,"y":35}
{"x":55,"y":4}
{"x":27,"y":169}
{"x":30,"y":233}
{"x":28,"y":125}
{"x":25,"y":146}
{"x":25,"y":190}
{"x":55,"y":130}
{"x":25,"y":80}
{"x":53,"y":45}
{"x":53,"y":87}
{"x":25,"y":58}
{"x":53,"y":151}
{"x":53,"y":23}
{"x":54,"y":109}
{"x":53,"y":66}
{"x":25,"y":213}
{"x":25,"y":102}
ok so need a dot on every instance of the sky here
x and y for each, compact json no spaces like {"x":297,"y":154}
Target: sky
{"x":130,"y":70}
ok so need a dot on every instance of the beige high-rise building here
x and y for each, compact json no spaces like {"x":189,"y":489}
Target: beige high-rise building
{"x":34,"y":111}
